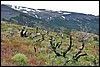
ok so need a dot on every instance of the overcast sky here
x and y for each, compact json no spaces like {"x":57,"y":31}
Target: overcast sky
{"x":87,"y":7}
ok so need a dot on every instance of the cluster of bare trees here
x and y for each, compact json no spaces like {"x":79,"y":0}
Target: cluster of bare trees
{"x":75,"y":57}
{"x":58,"y":44}
{"x":55,"y":45}
{"x":25,"y":33}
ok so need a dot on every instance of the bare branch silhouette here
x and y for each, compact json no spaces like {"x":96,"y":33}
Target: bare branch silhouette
{"x":64,"y":53}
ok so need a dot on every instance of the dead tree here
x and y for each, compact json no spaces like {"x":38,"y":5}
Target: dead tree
{"x":80,"y":56}
{"x":80,"y":50}
{"x":59,"y":44}
{"x":53,"y":46}
{"x":76,"y":59}
{"x":25,"y":34}
{"x":35,"y":49}
{"x":64,"y":53}
{"x":82,"y":45}
{"x":76,"y":55}
{"x":21,"y":33}
{"x":58,"y":54}
{"x":51,"y":42}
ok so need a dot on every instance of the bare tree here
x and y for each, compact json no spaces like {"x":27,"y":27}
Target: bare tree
{"x":58,"y":44}
{"x":53,"y":45}
{"x":25,"y":33}
{"x":34,"y":48}
{"x":85,"y":54}
{"x":21,"y":33}
{"x":80,"y":50}
{"x":70,"y":45}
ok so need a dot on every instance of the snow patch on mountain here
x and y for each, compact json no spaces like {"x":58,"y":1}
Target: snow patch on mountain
{"x":36,"y":16}
{"x":25,"y":11}
{"x":63,"y":17}
{"x":66,"y":13}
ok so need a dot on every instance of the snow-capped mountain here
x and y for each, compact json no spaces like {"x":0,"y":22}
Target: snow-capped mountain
{"x":47,"y":19}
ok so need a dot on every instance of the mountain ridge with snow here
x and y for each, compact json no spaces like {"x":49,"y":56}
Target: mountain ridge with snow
{"x":48,"y":19}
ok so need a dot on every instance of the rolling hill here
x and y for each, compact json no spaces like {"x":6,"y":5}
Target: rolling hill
{"x":48,"y":19}
{"x":25,"y":51}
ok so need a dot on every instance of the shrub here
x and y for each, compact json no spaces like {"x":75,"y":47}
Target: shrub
{"x":21,"y":59}
{"x":95,"y":39}
{"x":89,"y":58}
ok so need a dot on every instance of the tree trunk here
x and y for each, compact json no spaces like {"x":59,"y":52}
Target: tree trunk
{"x":64,"y":53}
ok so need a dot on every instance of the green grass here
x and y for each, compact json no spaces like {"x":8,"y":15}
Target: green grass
{"x":44,"y":54}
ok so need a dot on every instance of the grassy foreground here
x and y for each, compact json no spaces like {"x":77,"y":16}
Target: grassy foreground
{"x":44,"y":55}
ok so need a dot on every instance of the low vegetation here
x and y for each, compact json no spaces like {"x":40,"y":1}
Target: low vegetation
{"x":29,"y":51}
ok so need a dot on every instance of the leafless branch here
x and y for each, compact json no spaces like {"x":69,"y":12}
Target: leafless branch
{"x":64,"y":53}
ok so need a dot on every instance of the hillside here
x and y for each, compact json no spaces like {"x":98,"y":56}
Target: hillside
{"x":12,"y":44}
{"x":49,"y":19}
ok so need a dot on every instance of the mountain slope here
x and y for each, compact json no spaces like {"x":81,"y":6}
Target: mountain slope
{"x":49,"y":19}
{"x":44,"y":55}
